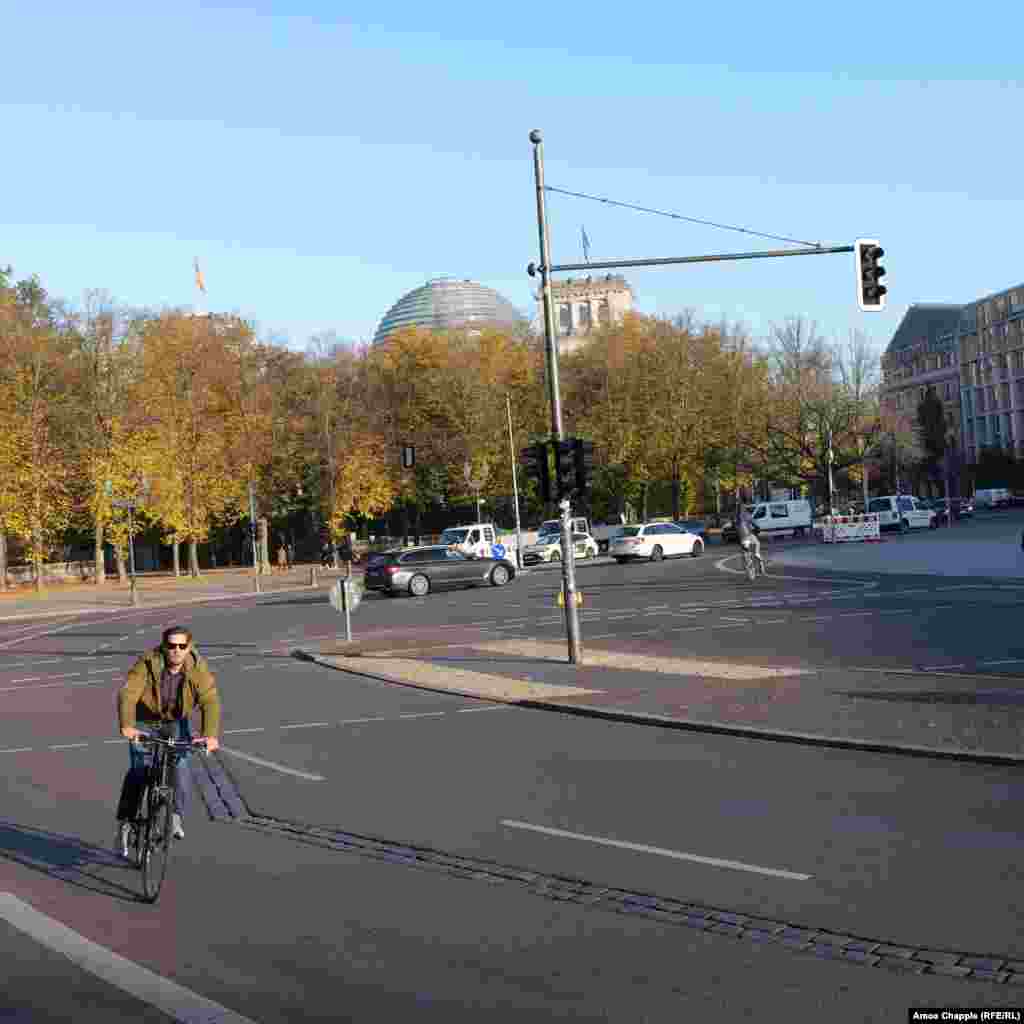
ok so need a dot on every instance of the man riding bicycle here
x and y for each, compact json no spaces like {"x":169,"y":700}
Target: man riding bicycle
{"x":747,"y":537}
{"x":164,"y":687}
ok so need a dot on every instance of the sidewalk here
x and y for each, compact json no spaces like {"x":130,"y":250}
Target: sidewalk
{"x":154,"y":590}
{"x":970,"y":718}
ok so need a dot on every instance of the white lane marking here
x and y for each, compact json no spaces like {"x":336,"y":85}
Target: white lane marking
{"x":252,"y":668}
{"x":903,"y":611}
{"x":939,"y":668}
{"x":1003,"y":661}
{"x":139,"y":632}
{"x":30,"y":679}
{"x":17,"y":750}
{"x":493,"y":707}
{"x":600,"y":636}
{"x":25,"y":664}
{"x":217,"y":657}
{"x":273,"y":765}
{"x":235,"y":732}
{"x":659,"y":850}
{"x":68,"y":746}
{"x":99,"y":671}
{"x":49,"y":686}
{"x":305,"y":725}
{"x":426,"y":714}
{"x":179,"y":1003}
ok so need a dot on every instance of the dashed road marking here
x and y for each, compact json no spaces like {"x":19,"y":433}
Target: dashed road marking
{"x":660,"y":851}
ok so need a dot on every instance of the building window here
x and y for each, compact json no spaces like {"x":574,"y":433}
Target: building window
{"x":583,"y":317}
{"x":565,"y":318}
{"x":604,"y":313}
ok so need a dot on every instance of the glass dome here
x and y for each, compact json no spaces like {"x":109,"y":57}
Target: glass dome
{"x":446,"y":302}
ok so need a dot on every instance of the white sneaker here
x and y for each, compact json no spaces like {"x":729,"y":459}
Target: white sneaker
{"x":176,"y":830}
{"x":121,"y":840}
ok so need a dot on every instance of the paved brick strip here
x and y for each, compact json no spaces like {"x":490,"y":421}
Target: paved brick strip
{"x":820,"y":942}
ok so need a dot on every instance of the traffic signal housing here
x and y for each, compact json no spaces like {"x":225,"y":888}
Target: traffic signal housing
{"x":534,"y":460}
{"x":870,"y":292}
{"x":565,"y":468}
{"x":583,"y":457}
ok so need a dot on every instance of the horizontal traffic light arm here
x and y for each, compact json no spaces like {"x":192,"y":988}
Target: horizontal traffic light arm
{"x":669,"y":260}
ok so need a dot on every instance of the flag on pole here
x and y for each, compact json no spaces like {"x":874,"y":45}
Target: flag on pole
{"x":200,"y":283}
{"x":586,"y":245}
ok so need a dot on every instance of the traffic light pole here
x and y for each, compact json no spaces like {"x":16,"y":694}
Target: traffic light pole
{"x":572,"y":619}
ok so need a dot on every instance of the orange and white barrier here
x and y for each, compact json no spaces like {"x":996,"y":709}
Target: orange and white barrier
{"x":836,"y":529}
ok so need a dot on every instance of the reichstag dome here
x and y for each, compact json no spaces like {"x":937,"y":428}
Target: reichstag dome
{"x":446,"y":302}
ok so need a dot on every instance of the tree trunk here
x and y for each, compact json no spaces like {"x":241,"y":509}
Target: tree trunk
{"x":3,"y":560}
{"x":643,"y":502}
{"x":100,"y":574}
{"x":122,"y":566}
{"x":675,"y":496}
{"x":176,"y":556}
{"x":193,"y":558}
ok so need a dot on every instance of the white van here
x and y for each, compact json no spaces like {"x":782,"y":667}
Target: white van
{"x":902,"y":512}
{"x":778,"y":516}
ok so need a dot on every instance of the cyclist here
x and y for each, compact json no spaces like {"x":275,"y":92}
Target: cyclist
{"x":747,"y":537}
{"x":165,"y":686}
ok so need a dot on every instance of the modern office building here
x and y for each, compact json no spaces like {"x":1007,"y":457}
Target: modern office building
{"x":992,"y":373}
{"x":923,"y":352}
{"x":973,"y":355}
{"x":446,"y":303}
{"x":583,"y":305}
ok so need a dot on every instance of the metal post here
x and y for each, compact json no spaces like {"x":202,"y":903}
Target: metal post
{"x":348,"y":612}
{"x":131,"y":555}
{"x":515,"y":484}
{"x":831,"y":496}
{"x":252,"y":534}
{"x":572,"y":620}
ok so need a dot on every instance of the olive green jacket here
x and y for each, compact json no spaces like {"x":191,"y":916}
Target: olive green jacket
{"x":139,"y":699}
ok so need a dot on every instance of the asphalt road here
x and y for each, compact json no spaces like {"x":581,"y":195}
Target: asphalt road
{"x":276,"y":918}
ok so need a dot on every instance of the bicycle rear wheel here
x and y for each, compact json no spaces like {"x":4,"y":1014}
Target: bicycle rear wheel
{"x":750,"y":565}
{"x":137,"y":837}
{"x":156,"y":845}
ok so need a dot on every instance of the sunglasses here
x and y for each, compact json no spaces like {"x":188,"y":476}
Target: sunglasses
{"x":180,"y":647}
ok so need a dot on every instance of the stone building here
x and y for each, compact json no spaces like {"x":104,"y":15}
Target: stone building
{"x":583,"y":305}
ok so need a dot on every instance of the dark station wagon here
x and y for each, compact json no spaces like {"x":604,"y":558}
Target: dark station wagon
{"x":417,"y":571}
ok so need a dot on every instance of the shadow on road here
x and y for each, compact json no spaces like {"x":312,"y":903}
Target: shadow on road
{"x":65,"y":858}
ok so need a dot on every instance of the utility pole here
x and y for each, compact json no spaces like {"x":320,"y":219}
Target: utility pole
{"x":515,"y":484}
{"x":252,"y":534}
{"x":572,"y":619}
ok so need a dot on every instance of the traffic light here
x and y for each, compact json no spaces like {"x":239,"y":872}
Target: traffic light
{"x":565,"y":465}
{"x":583,"y":456}
{"x":870,"y":293}
{"x":535,"y":465}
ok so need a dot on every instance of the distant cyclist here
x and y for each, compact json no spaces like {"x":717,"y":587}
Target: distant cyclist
{"x":165,"y":687}
{"x":747,"y":536}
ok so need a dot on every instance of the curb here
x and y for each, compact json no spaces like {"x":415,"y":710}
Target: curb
{"x":988,"y":757}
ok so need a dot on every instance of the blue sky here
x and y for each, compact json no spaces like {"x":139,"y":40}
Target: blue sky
{"x":321,"y":162}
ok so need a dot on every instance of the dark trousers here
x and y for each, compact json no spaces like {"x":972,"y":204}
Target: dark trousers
{"x":142,"y":759}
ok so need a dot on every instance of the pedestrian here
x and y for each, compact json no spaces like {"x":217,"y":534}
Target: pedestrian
{"x":282,"y":558}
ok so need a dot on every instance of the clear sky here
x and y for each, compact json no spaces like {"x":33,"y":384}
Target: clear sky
{"x":320,"y":161}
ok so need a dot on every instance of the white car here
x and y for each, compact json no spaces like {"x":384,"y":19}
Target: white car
{"x":902,"y":512}
{"x":654,"y":541}
{"x":548,"y":548}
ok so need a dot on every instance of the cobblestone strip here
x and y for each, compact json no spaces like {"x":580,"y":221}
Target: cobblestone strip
{"x":822,"y":943}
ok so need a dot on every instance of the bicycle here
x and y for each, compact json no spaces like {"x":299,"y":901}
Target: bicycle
{"x":752,"y":564}
{"x":151,"y":834}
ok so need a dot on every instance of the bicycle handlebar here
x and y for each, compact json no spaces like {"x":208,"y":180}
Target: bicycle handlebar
{"x":148,"y":737}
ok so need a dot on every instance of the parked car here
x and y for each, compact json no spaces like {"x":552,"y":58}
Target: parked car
{"x":548,"y":548}
{"x":417,"y":571}
{"x":992,"y":497}
{"x":653,"y":542}
{"x":698,"y":527}
{"x":902,"y":512}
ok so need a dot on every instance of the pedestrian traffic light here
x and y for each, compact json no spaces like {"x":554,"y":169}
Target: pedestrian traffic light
{"x":583,"y":456}
{"x":870,"y":293}
{"x":535,"y":464}
{"x":565,"y":466}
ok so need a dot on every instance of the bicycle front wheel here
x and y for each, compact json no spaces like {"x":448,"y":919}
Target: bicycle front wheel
{"x":156,"y":847}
